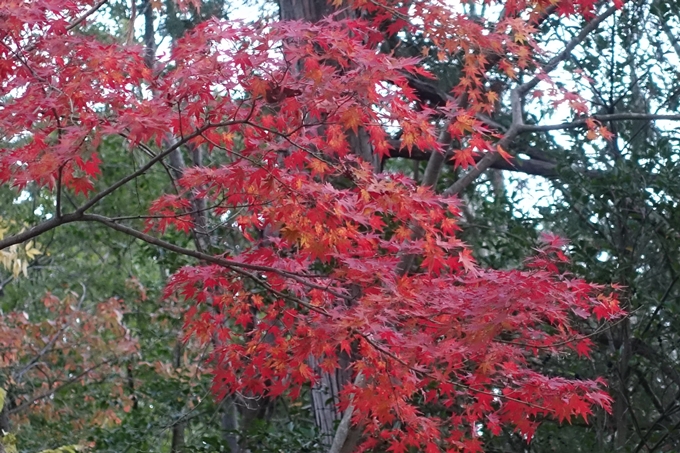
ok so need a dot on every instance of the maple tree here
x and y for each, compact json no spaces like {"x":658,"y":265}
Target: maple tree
{"x":338,"y":265}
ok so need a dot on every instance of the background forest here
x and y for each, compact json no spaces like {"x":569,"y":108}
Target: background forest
{"x":92,"y":348}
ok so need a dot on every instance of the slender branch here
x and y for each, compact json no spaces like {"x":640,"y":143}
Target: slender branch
{"x":663,"y":414}
{"x":667,"y":367}
{"x":648,"y":390}
{"x":165,"y":166}
{"x":564,"y":54}
{"x":517,"y":94}
{"x":230,"y":264}
{"x":19,"y":374}
{"x":491,"y":158}
{"x":76,"y":22}
{"x":50,"y":344}
{"x":59,"y":189}
{"x":178,"y":215}
{"x":663,"y":438}
{"x":602,"y":118}
{"x":94,"y":200}
{"x":659,"y":306}
{"x":533,"y":166}
{"x":50,"y":392}
{"x":87,"y":13}
{"x":669,"y":33}
{"x":78,"y":214}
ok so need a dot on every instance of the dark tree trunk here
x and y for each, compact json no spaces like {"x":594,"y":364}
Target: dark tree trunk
{"x":309,"y":10}
{"x":177,"y":445}
{"x":326,"y":392}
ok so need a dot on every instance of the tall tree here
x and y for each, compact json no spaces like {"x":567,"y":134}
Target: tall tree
{"x":304,"y":249}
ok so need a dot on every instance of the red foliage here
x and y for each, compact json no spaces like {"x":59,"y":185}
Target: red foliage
{"x":449,"y":338}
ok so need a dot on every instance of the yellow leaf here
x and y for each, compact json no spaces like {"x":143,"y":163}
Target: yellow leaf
{"x":16,"y":269}
{"x":351,"y":119}
{"x":9,"y":441}
{"x":491,"y":96}
{"x":408,"y":138}
{"x":31,"y":252}
{"x":305,"y":371}
{"x":318,"y":167}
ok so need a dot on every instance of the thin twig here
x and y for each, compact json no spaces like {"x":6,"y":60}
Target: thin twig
{"x":49,"y":393}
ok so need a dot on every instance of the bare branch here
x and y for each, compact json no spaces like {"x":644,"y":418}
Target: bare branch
{"x":227,"y":263}
{"x":534,"y":166}
{"x":518,"y":93}
{"x":51,"y":392}
{"x":564,"y":54}
{"x":602,"y":118}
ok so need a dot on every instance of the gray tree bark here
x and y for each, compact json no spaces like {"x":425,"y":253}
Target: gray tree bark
{"x":326,"y":392}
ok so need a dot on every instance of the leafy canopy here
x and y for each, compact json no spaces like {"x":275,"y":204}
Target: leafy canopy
{"x":444,"y":349}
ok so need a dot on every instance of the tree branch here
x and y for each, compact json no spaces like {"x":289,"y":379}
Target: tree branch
{"x":436,"y":161}
{"x":602,"y":118}
{"x":39,"y":229}
{"x":534,"y":166}
{"x":86,"y":14}
{"x":641,"y":348}
{"x":160,"y":156}
{"x":76,"y":22}
{"x":537,"y":165}
{"x":227,"y":263}
{"x":490,"y":159}
{"x":78,"y":214}
{"x":48,"y":393}
{"x":517,"y":94}
{"x":571,"y":45}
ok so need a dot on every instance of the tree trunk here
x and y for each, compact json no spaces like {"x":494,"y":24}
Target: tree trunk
{"x":326,"y":396}
{"x":230,"y":425}
{"x":326,"y":392}
{"x":177,"y":445}
{"x":309,"y":10}
{"x":620,"y":409}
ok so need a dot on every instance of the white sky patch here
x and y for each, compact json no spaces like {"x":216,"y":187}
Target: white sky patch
{"x":24,"y":196}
